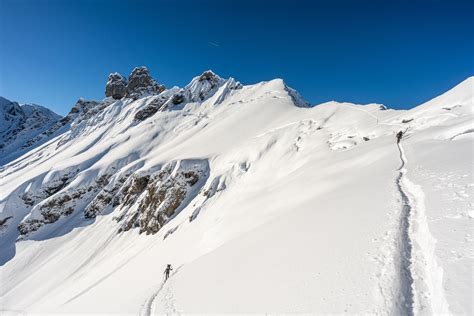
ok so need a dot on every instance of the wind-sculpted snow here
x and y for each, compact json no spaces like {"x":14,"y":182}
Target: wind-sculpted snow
{"x":265,"y":204}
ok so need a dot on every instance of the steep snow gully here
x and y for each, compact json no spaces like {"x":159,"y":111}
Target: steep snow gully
{"x":420,"y":279}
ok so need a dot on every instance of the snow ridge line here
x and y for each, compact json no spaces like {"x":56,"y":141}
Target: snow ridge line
{"x":421,"y":278}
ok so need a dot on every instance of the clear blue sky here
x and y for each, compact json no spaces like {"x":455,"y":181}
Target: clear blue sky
{"x":400,"y":53}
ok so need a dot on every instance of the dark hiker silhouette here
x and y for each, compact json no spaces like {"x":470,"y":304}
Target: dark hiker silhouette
{"x":167,"y":271}
{"x":399,"y":136}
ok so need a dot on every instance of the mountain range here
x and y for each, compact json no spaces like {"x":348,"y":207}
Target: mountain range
{"x":260,"y":201}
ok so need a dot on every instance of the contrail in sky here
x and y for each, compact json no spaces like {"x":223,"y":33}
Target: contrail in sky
{"x":214,"y":44}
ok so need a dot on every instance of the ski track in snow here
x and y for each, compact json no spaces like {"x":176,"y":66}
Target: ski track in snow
{"x":147,"y":307}
{"x":406,"y":278}
{"x":420,"y":277}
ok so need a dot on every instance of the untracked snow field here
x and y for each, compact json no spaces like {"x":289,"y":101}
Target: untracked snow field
{"x":296,"y":209}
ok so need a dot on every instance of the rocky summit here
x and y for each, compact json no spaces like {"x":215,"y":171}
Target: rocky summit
{"x":138,"y":84}
{"x":116,"y":86}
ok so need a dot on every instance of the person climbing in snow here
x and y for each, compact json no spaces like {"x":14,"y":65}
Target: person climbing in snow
{"x":167,"y":271}
{"x":399,"y":136}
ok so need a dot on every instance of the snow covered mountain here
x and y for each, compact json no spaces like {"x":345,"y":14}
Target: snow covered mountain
{"x":259,"y":201}
{"x":19,"y":124}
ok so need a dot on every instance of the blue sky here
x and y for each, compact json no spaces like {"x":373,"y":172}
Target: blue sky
{"x":400,"y":53}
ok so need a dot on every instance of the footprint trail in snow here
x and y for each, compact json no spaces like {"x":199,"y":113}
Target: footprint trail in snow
{"x":147,"y":307}
{"x":421,"y":278}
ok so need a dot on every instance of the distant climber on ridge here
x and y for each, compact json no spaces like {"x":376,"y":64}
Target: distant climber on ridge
{"x":399,"y":136}
{"x":167,"y":271}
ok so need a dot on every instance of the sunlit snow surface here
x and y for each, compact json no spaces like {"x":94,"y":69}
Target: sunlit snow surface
{"x":301,"y":210}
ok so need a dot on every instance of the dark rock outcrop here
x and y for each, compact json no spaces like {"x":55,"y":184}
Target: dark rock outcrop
{"x":108,"y":196}
{"x":138,"y":84}
{"x":160,"y":196}
{"x":208,"y":76}
{"x":141,"y":82}
{"x":160,"y":102}
{"x":177,"y":99}
{"x":116,"y":86}
{"x":56,"y":203}
{"x":153,"y":107}
{"x":133,"y":190}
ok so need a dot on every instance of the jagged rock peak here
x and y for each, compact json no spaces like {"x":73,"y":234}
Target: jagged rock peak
{"x":83,"y":105}
{"x":141,"y":82}
{"x":209,"y":75}
{"x":116,"y":86}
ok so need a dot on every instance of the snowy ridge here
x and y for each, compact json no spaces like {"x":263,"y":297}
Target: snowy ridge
{"x":19,"y":124}
{"x":237,"y":185}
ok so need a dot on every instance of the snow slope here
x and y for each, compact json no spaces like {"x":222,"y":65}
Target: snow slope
{"x":260,"y":203}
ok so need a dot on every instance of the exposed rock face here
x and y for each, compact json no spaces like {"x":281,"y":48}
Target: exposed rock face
{"x":208,"y":76}
{"x":153,"y":107}
{"x":107,"y":197}
{"x":140,"y":82}
{"x":177,"y":98}
{"x":82,"y":106}
{"x":146,"y":201}
{"x":159,"y":103}
{"x":116,"y":86}
{"x":132,"y":191}
{"x":53,"y":206}
{"x":162,"y":196}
